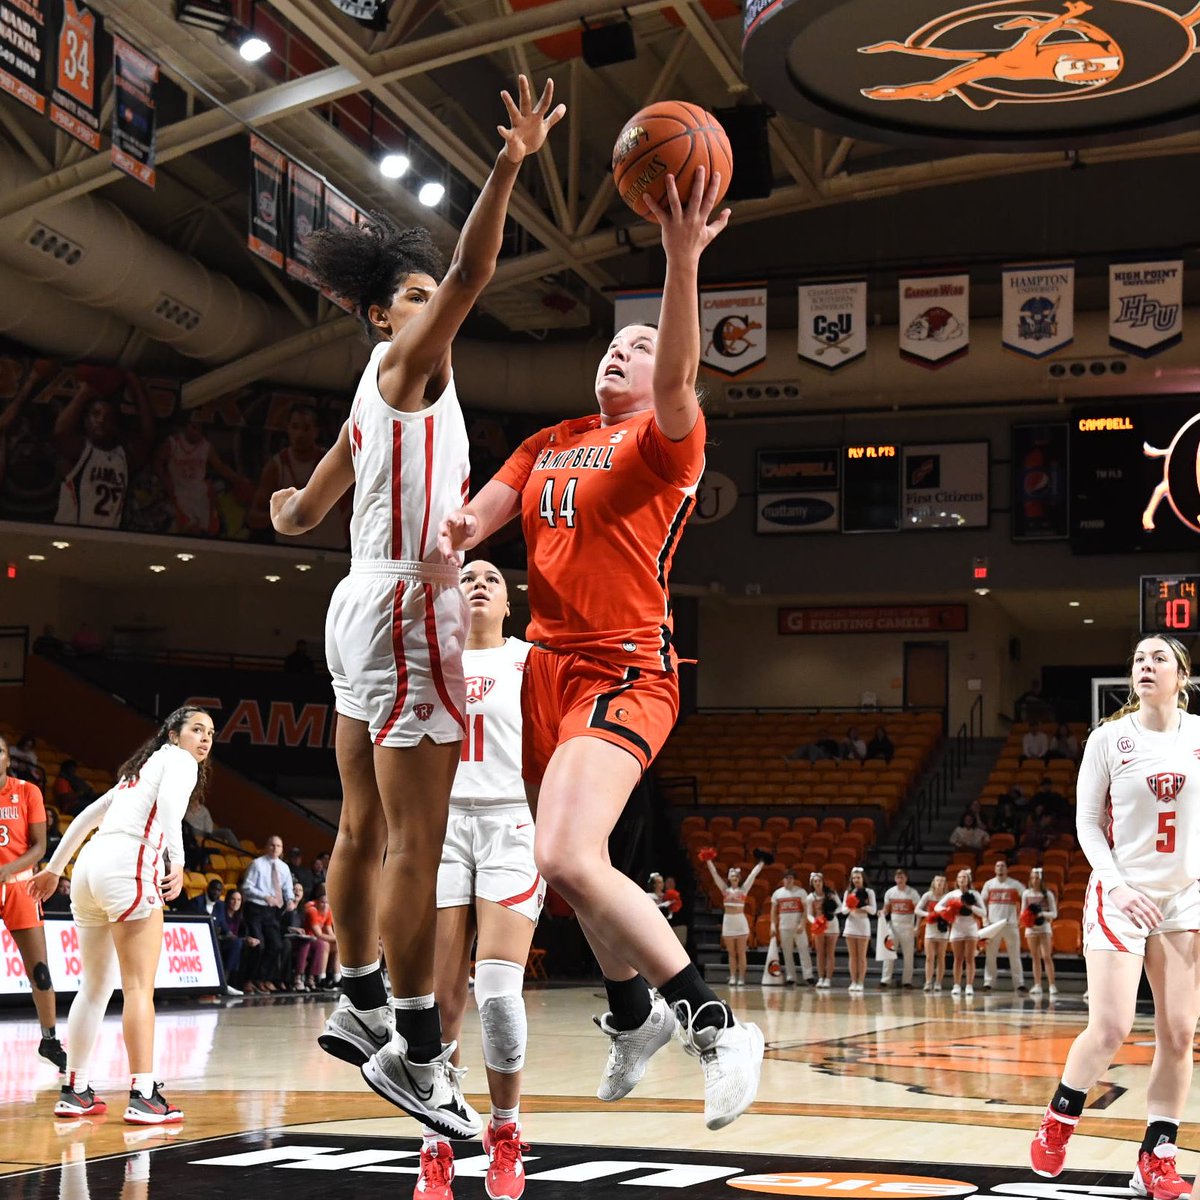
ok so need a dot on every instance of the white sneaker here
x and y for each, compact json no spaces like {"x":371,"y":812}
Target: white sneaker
{"x":968,"y":990}
{"x":956,"y":990}
{"x":732,"y":1061}
{"x":1036,"y":990}
{"x":353,"y":1035}
{"x":425,"y":1091}
{"x":928,"y":987}
{"x":1053,"y":990}
{"x":630,"y":1050}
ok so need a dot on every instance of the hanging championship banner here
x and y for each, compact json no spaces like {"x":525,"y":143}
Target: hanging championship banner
{"x":733,"y":329}
{"x":1145,"y":306}
{"x":134,"y":118}
{"x":24,"y":42}
{"x":833,"y":323}
{"x":75,"y":99}
{"x":267,"y":169}
{"x":340,"y":213}
{"x":1039,"y":308}
{"x":637,"y":308}
{"x":306,"y":197}
{"x":934,"y":322}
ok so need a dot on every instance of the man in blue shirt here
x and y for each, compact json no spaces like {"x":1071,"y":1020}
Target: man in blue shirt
{"x":267,"y":888}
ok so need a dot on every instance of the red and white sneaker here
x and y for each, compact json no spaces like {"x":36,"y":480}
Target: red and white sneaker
{"x":505,"y":1179}
{"x":1048,"y":1151}
{"x":72,"y":1103}
{"x":437,"y":1173}
{"x":154,"y":1109}
{"x":1156,"y":1175}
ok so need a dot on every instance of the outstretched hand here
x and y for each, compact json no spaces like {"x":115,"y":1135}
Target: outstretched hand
{"x":529,"y":123}
{"x":686,"y":229}
{"x":43,"y":885}
{"x":454,"y":534}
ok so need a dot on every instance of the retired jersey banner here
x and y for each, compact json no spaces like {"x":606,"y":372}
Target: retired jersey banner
{"x":134,"y":113}
{"x":733,"y":329}
{"x":637,"y":308}
{"x":1145,"y":306}
{"x":945,"y":486}
{"x":75,"y":98}
{"x":935,"y":327}
{"x":24,"y":45}
{"x":1039,"y":308}
{"x":268,"y":167}
{"x":340,"y":213}
{"x":833,"y":323}
{"x":306,"y":200}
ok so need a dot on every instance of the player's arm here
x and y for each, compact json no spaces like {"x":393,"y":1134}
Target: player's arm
{"x":297,"y":510}
{"x":686,"y":231}
{"x":421,"y":350}
{"x":492,"y":508}
{"x":871,"y":907}
{"x":31,"y":857}
{"x":42,"y":885}
{"x":754,"y":873}
{"x":1049,"y":905}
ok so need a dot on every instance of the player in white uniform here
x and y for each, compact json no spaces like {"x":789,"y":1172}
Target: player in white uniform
{"x":121,"y":879}
{"x":900,"y":910}
{"x":1039,"y":907}
{"x":1001,"y":896}
{"x":789,"y":924}
{"x":735,"y":928}
{"x":397,"y":624}
{"x":822,"y":920}
{"x":1138,"y":822}
{"x":489,"y":892}
{"x":937,"y":934}
{"x":960,"y":908}
{"x":858,"y":907}
{"x":183,"y":462}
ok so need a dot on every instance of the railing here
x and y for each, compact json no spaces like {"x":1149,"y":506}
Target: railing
{"x":188,"y":658}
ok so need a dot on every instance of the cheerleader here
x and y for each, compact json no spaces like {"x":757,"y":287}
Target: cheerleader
{"x":858,"y":907}
{"x":822,"y":919}
{"x":937,"y":934}
{"x":122,"y":878}
{"x":959,"y":909}
{"x":1038,"y":910}
{"x":735,"y":929}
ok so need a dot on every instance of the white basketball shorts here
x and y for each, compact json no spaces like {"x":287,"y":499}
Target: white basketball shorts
{"x":1106,"y":927}
{"x":116,"y":878}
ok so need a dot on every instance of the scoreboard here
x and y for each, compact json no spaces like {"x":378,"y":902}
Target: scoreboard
{"x":1170,"y":604}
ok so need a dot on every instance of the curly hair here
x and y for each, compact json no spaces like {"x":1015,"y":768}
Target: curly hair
{"x":367,"y":263}
{"x":130,"y":768}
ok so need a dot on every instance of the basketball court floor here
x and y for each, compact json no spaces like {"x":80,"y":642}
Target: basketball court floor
{"x":855,"y":1093}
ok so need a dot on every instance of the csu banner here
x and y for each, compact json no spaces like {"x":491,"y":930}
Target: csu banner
{"x":733,"y":329}
{"x":833,"y":323}
{"x":24,"y":42}
{"x":306,"y":200}
{"x":1145,"y":306}
{"x":637,"y":308}
{"x":134,"y":117}
{"x":267,"y":169}
{"x":798,"y":490}
{"x":1039,"y":308}
{"x":75,"y":100}
{"x":934,"y":322}
{"x":945,"y":486}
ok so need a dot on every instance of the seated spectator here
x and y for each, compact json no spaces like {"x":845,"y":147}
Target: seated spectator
{"x":316,"y":959}
{"x":199,"y":817}
{"x":71,"y":793}
{"x":47,"y":645}
{"x":61,"y":900}
{"x":298,"y":662}
{"x":1064,"y":744}
{"x":880,"y":745}
{"x":1005,"y":817}
{"x":852,"y":745}
{"x":300,"y":873}
{"x":208,"y":900}
{"x":295,"y":935}
{"x":969,"y":834}
{"x":320,"y":869}
{"x":1050,"y":800}
{"x":232,"y":933}
{"x":823,"y":747}
{"x":1035,"y":743}
{"x":23,"y":762}
{"x":975,"y":808}
{"x":1040,"y":829}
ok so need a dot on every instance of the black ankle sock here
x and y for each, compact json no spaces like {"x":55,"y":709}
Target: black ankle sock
{"x":628,"y":1002}
{"x":688,"y":985}
{"x":421,"y":1029}
{"x":365,"y":991}
{"x":1158,"y":1132}
{"x":1067,"y":1101}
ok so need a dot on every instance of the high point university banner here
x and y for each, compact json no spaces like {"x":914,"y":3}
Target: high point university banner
{"x":1145,"y":306}
{"x":24,"y":46}
{"x":733,"y":329}
{"x":945,"y":486}
{"x":833,"y":323}
{"x":267,"y":169}
{"x":134,"y":123}
{"x":1039,"y":308}
{"x":935,"y":326}
{"x":78,"y":69}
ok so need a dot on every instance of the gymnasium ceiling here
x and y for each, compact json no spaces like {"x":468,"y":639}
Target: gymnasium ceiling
{"x":436,"y":70}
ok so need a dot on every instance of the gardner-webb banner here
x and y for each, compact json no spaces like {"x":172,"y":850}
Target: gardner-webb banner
{"x":267,"y":169}
{"x":934,"y":319}
{"x":833,"y":323}
{"x":733,"y":329}
{"x":135,"y":78}
{"x":79,"y":68}
{"x":1145,"y":306}
{"x":1039,"y":308}
{"x":24,"y":51}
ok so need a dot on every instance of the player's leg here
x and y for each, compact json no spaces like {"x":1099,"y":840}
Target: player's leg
{"x":1047,"y":949}
{"x":956,"y":949}
{"x":1012,"y":947}
{"x":1033,"y":941}
{"x":139,"y":946}
{"x":31,"y":944}
{"x":970,"y":952}
{"x":940,"y":948}
{"x":991,"y":952}
{"x":99,"y":976}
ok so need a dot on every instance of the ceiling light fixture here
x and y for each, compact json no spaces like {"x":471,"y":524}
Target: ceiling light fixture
{"x":431,"y":194}
{"x":37,"y":558}
{"x":157,"y":568}
{"x":1073,"y":603}
{"x":304,"y":566}
{"x":271,"y":578}
{"x":252,"y":47}
{"x":1089,"y":620}
{"x":393,"y":165}
{"x":60,"y":545}
{"x":185,"y":557}
{"x":983,"y":591}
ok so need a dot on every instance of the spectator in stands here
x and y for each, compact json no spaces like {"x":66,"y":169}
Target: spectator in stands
{"x":1039,"y":830}
{"x":1035,"y":744}
{"x":71,"y":792}
{"x":207,"y":901}
{"x":825,"y":746}
{"x":268,"y":890}
{"x":1005,"y":816}
{"x":86,"y":641}
{"x":199,"y":817}
{"x":969,"y":834}
{"x":23,"y":762}
{"x":975,"y":808}
{"x":852,"y":745}
{"x":880,"y":745}
{"x":299,"y":662}
{"x":1064,"y":744}
{"x":60,"y":902}
{"x":295,"y":935}
{"x":305,"y":876}
{"x":47,"y":645}
{"x":1051,"y":800}
{"x":1030,"y":704}
{"x":232,"y":935}
{"x":316,"y":959}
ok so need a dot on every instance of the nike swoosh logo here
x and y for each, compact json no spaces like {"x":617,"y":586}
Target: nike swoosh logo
{"x":525,"y":826}
{"x":373,"y":1037}
{"x":418,"y":1091}
{"x":1126,"y":761}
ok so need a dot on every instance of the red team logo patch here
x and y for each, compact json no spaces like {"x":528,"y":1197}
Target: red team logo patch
{"x":423,"y":711}
{"x":478,"y":686}
{"x":1166,"y":785}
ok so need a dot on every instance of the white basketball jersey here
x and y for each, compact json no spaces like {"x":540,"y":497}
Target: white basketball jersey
{"x":1001,"y":900}
{"x":790,"y":904}
{"x":489,"y":769}
{"x":411,"y":469}
{"x":1150,"y":783}
{"x":903,"y":905}
{"x":93,"y":493}
{"x":188,"y":464}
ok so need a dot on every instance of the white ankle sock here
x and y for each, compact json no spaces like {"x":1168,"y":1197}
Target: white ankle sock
{"x":143,"y":1083}
{"x":430,"y":1138}
{"x":505,"y":1116}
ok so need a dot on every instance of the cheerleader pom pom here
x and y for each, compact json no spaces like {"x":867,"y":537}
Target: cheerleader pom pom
{"x":932,"y":918}
{"x":674,"y":900}
{"x":764,"y":856}
{"x":952,"y":908}
{"x":819,"y":925}
{"x":707,"y":854}
{"x":861,"y":893}
{"x":852,"y":901}
{"x":829,"y":906}
{"x":1028,"y":918}
{"x":969,"y":899}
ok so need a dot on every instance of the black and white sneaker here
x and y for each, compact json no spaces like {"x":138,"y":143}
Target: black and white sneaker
{"x":78,"y":1104}
{"x":50,"y":1048}
{"x":154,"y":1109}
{"x":426,"y":1091}
{"x":353,"y":1035}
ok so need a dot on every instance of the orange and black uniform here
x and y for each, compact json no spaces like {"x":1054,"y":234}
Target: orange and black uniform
{"x":602,"y":509}
{"x":20,"y":806}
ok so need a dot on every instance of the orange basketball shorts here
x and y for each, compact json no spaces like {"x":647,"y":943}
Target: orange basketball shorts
{"x":18,"y":909}
{"x":569,"y":695}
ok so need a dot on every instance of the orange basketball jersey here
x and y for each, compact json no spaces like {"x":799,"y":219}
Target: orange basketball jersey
{"x":20,"y":806}
{"x":602,"y":509}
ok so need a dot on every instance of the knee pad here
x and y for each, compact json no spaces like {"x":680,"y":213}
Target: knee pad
{"x":41,"y":977}
{"x":501,"y":1013}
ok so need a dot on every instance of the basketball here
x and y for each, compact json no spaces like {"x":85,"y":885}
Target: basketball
{"x":669,"y":138}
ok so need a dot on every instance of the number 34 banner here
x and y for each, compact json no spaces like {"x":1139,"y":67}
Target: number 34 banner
{"x":75,"y":98}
